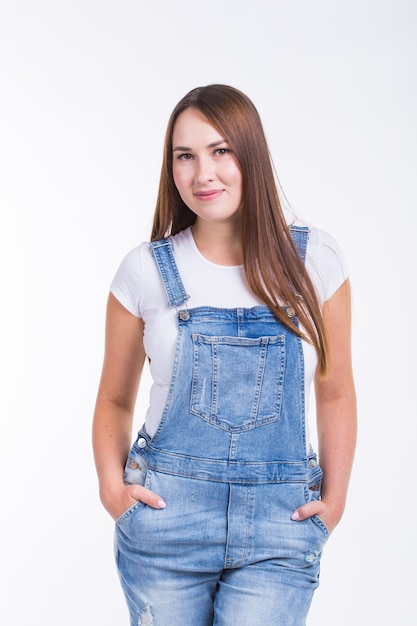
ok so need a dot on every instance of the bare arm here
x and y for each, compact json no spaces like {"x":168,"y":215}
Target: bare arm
{"x":336,"y":413}
{"x":113,"y":416}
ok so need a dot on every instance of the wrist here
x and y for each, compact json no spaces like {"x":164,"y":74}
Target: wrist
{"x":109,"y":489}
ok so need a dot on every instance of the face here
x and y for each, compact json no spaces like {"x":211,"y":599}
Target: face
{"x":205,"y":169}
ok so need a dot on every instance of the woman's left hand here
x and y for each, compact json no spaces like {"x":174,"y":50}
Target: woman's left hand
{"x":328,"y":513}
{"x":336,"y":414}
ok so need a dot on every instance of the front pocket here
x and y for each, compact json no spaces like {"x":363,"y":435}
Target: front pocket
{"x":127,"y":514}
{"x":237,"y":382}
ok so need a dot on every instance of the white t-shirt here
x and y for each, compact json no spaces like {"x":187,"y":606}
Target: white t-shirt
{"x":138,"y":286}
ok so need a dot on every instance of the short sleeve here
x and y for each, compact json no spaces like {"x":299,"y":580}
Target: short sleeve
{"x":126,"y":284}
{"x":325,"y":263}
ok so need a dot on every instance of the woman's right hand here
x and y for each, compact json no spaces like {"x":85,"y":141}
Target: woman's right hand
{"x":120,"y":500}
{"x":115,"y":405}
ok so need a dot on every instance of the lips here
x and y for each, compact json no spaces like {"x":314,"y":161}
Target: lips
{"x":210,"y":194}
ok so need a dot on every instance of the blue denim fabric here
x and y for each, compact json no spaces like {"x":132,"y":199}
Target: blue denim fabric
{"x":229,"y":459}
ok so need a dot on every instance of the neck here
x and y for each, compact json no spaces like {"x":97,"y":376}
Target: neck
{"x":219,"y":243}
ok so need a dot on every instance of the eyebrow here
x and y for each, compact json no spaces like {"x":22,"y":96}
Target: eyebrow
{"x":211,"y":145}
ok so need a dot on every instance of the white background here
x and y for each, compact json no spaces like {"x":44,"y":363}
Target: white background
{"x":86,"y":88}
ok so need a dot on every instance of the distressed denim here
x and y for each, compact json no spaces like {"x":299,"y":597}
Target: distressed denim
{"x":229,"y":459}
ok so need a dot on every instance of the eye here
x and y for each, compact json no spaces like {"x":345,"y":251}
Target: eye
{"x":222,"y":151}
{"x":185,"y":156}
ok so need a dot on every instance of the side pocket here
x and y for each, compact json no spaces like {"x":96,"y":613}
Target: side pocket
{"x":315,"y":477}
{"x":135,"y":469}
{"x":135,"y":473}
{"x":314,"y":486}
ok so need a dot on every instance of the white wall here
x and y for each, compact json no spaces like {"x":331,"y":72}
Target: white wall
{"x":86,"y":87}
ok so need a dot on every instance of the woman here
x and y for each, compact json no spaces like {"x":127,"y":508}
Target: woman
{"x":221,"y":507}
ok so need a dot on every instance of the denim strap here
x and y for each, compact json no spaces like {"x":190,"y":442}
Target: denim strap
{"x":299,"y":236}
{"x":164,"y":257}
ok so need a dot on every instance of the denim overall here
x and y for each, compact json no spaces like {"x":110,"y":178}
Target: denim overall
{"x":229,"y":459}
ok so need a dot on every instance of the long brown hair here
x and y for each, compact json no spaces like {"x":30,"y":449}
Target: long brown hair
{"x":274,"y":270}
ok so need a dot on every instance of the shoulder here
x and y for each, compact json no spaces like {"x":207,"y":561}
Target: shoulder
{"x":131,"y":265}
{"x":127,"y":284}
{"x":182,"y":242}
{"x":322,"y":243}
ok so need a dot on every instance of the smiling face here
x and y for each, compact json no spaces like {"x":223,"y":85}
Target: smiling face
{"x":205,"y":169}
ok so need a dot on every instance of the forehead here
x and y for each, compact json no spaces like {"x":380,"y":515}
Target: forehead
{"x":193,"y":124}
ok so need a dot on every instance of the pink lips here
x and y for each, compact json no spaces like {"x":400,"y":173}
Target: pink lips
{"x":211,"y":194}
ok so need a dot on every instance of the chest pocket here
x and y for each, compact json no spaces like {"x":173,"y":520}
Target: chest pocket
{"x":237,"y":382}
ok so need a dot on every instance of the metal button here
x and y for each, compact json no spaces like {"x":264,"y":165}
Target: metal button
{"x":133,"y":465}
{"x":184,"y":315}
{"x":290,"y":311}
{"x":142,"y":442}
{"x":312,"y":463}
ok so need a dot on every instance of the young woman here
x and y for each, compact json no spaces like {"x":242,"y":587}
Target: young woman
{"x":221,"y":507}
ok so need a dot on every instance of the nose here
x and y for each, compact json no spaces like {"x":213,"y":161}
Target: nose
{"x":204,"y":170}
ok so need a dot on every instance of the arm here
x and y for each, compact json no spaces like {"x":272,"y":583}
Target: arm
{"x":336,"y":413}
{"x":113,"y":416}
